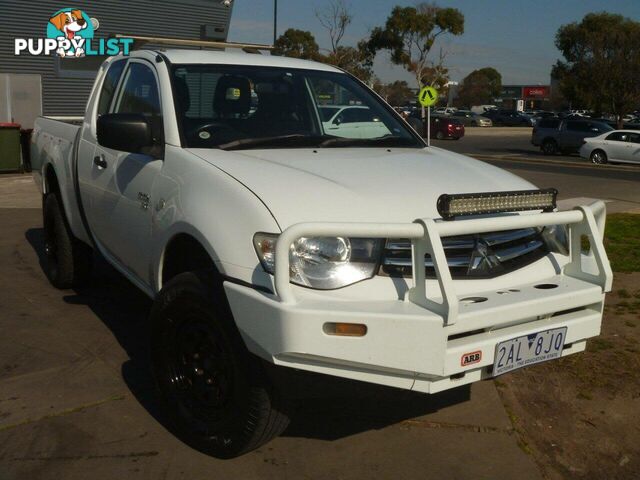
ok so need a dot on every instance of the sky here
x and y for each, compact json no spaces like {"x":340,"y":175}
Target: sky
{"x":516,"y":37}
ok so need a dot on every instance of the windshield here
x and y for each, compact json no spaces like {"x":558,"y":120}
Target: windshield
{"x":242,"y":107}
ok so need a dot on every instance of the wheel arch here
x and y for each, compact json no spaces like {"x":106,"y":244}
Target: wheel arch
{"x":50,"y":182}
{"x":185,"y":251}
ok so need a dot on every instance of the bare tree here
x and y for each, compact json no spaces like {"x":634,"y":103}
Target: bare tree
{"x":335,"y":18}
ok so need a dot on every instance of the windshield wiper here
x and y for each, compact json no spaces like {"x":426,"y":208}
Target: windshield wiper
{"x":315,"y":141}
{"x":277,"y":141}
{"x":386,"y":141}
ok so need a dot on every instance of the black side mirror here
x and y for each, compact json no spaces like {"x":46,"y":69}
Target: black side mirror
{"x":127,"y":132}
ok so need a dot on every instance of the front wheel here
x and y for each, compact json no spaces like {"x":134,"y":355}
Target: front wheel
{"x":216,"y":395}
{"x":598,"y":157}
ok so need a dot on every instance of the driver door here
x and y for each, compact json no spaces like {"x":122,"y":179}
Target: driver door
{"x":125,"y":206}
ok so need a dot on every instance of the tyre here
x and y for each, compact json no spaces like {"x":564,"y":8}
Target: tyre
{"x":439,"y":135}
{"x":598,"y":157}
{"x":216,"y":395}
{"x":549,"y":147}
{"x":67,"y":260}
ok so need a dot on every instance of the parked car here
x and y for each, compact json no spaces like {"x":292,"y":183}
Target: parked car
{"x":442,"y":126}
{"x":509,"y":118}
{"x":470,"y":119}
{"x":480,"y":109}
{"x":445,"y":110}
{"x":618,"y":146}
{"x":264,"y":238}
{"x":581,"y":113}
{"x":545,"y":114}
{"x":555,"y":135}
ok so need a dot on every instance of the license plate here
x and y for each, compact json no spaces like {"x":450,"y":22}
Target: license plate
{"x":529,"y":349}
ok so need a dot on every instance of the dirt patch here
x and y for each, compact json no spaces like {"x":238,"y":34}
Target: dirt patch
{"x":580,"y":416}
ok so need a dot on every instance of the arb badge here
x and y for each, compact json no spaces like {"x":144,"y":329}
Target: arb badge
{"x":471,"y":358}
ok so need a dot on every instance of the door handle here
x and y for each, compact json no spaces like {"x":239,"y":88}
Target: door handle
{"x":99,"y":161}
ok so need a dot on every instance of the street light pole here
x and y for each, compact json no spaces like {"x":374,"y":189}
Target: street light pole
{"x":275,"y":21}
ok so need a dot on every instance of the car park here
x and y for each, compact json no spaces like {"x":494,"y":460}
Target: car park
{"x":213,"y":183}
{"x":470,"y":119}
{"x":621,"y":146}
{"x":555,"y":135}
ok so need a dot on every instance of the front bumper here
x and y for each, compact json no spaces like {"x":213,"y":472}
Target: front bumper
{"x":418,"y":343}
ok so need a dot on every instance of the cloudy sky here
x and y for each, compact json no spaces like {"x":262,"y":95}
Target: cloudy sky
{"x":514,"y":36}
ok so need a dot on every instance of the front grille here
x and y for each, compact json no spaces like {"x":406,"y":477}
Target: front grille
{"x":509,"y":250}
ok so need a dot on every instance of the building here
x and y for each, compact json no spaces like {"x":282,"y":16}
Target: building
{"x":66,"y":83}
{"x":535,"y":97}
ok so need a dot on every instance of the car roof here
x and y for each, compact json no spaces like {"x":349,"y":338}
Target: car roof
{"x":220,"y":57}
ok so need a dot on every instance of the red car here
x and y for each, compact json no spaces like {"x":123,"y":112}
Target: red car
{"x":446,"y":127}
{"x":441,"y":126}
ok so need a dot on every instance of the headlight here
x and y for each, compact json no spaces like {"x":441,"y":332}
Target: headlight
{"x":323,"y":263}
{"x":557,"y":239}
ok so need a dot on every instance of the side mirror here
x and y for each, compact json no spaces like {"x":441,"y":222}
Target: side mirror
{"x":337,"y":121}
{"x":127,"y":132}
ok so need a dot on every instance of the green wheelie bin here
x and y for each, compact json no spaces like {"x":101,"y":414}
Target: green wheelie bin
{"x":10,"y":153}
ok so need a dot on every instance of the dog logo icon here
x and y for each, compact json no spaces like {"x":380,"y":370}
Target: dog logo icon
{"x":71,"y":27}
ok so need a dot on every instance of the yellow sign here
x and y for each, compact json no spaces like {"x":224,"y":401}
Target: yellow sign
{"x":428,"y":96}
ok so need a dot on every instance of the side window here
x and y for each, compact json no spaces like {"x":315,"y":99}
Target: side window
{"x":357,"y":115}
{"x":109,"y":86}
{"x":139,"y":94}
{"x":549,"y":123}
{"x":634,"y":138}
{"x":577,"y":127}
{"x":615,"y":136}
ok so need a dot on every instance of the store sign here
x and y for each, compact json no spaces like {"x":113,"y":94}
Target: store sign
{"x":535,"y":92}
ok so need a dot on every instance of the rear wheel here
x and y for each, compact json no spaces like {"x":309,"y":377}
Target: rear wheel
{"x":439,"y":135}
{"x":217,"y":395}
{"x":549,"y":147}
{"x":598,"y":157}
{"x":67,"y":259}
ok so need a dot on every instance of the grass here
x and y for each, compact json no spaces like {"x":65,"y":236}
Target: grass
{"x":622,"y":241}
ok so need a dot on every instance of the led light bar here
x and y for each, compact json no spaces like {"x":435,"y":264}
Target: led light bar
{"x":451,"y":206}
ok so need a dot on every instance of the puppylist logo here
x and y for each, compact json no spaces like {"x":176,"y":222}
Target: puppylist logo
{"x":70,"y":33}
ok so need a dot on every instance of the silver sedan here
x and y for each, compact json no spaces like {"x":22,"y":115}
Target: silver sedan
{"x":617,"y":146}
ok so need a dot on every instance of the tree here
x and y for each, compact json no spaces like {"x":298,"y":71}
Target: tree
{"x":436,"y":74}
{"x":355,"y":60}
{"x":601,"y":64}
{"x":411,"y":32}
{"x":480,"y":87}
{"x":358,"y":61}
{"x":335,"y":18}
{"x":297,"y":44}
{"x":397,"y":93}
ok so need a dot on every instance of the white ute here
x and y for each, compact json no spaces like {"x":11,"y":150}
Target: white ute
{"x":210,"y":180}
